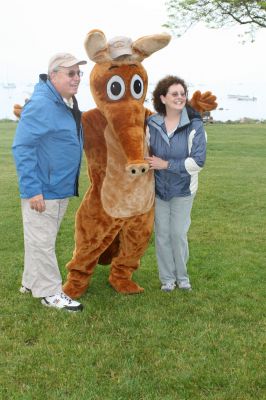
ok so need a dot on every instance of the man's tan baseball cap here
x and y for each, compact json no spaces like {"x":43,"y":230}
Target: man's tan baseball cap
{"x":63,"y":60}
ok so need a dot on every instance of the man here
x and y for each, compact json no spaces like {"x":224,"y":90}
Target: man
{"x":47,"y":150}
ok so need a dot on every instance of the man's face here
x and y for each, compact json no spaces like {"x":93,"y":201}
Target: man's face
{"x":66,"y":80}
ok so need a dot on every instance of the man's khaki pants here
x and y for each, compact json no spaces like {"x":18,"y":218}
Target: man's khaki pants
{"x":41,"y":273}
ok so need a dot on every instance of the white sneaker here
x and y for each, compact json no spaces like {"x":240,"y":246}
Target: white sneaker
{"x":24,"y":290}
{"x":185,"y":286}
{"x":168,"y":287}
{"x":61,"y":300}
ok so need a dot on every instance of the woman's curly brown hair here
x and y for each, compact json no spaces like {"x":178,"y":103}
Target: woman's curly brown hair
{"x":161,"y":89}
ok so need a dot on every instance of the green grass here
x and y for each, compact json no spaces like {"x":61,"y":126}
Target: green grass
{"x":206,"y":344}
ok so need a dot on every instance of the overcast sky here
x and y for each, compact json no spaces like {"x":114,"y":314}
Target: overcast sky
{"x":31,"y":31}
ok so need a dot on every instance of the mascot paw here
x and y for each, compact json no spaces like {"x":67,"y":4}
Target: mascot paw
{"x":125,"y":286}
{"x":17,"y":109}
{"x":203,"y":101}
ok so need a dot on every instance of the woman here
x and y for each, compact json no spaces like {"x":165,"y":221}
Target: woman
{"x":178,"y":151}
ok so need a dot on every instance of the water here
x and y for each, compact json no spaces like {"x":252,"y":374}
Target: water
{"x":231,"y":108}
{"x":228,"y":109}
{"x":234,"y":109}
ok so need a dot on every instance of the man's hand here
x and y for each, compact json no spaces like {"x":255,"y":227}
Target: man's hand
{"x":37,"y":203}
{"x":156,"y":162}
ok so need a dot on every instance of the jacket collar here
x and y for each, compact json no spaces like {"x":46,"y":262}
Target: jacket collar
{"x":158,"y":119}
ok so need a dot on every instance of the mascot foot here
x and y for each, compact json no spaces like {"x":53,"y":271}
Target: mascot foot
{"x":125,"y":286}
{"x":74,"y":292}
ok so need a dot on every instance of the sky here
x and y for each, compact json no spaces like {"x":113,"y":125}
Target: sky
{"x":32,"y":31}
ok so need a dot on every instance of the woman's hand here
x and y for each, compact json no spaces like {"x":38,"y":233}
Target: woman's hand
{"x":156,"y":162}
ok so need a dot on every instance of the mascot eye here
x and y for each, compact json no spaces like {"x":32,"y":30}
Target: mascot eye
{"x":136,"y":86}
{"x":115,"y":88}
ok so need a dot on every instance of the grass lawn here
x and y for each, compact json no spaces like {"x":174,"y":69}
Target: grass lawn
{"x":206,"y":344}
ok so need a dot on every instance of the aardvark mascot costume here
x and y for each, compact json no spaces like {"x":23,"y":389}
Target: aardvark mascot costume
{"x":115,"y":219}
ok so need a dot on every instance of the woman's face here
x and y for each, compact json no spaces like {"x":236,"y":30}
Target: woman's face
{"x":175,"y":98}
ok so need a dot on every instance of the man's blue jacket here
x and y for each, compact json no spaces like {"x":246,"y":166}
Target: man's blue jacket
{"x":48,"y":145}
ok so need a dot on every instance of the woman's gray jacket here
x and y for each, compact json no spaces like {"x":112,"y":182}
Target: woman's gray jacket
{"x":185,"y":149}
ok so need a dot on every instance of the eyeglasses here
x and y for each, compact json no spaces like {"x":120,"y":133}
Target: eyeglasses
{"x":72,"y":73}
{"x":176,"y":94}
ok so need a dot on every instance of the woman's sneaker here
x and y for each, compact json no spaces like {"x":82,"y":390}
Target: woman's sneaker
{"x":185,"y":286}
{"x":168,"y":287}
{"x":61,"y":300}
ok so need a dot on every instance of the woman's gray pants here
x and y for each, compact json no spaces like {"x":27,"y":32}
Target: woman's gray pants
{"x":172,"y":222}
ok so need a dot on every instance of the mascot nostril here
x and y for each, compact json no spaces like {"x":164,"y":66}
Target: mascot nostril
{"x":137,"y":169}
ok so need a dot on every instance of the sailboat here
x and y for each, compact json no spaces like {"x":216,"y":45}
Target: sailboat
{"x":9,"y":85}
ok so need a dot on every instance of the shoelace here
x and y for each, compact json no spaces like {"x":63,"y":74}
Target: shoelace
{"x":64,"y":296}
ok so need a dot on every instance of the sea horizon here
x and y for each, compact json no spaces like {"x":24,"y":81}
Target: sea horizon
{"x":235,"y":101}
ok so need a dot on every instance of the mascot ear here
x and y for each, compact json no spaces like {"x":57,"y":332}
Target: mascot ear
{"x":96,"y":46}
{"x":146,"y":45}
{"x":203,"y":101}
